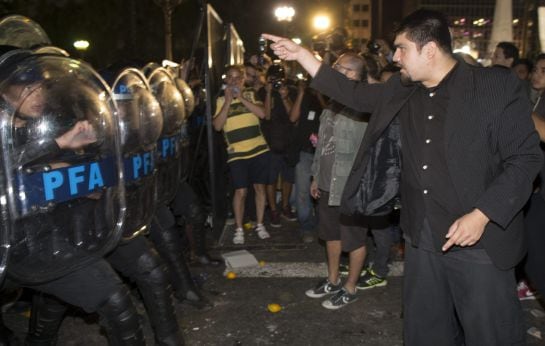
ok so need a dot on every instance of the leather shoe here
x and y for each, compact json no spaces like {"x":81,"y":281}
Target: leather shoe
{"x":206,"y":260}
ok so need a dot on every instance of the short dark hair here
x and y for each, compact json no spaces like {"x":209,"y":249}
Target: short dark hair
{"x":525,"y":62}
{"x":540,"y":57}
{"x":239,"y":68}
{"x":423,"y":26}
{"x":509,"y":50}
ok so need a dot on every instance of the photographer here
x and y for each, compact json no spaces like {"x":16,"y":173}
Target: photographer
{"x":330,"y":45}
{"x":277,"y":98}
{"x":238,"y":114}
{"x":382,"y":50}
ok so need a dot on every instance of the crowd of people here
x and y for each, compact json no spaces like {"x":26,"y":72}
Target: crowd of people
{"x":465,"y":183}
{"x":293,"y":148}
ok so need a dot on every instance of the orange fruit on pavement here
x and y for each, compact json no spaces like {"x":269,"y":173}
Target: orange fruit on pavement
{"x":274,"y":307}
{"x":231,"y":275}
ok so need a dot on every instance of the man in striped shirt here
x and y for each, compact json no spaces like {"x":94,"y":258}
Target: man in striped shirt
{"x":238,"y":114}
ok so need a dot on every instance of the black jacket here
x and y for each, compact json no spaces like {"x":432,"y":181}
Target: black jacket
{"x":491,"y":144}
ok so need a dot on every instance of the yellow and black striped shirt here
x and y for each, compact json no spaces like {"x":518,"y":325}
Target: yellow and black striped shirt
{"x":241,"y":129}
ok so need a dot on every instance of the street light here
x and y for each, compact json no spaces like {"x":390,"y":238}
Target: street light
{"x":168,"y":7}
{"x":81,"y":46}
{"x":321,"y":22}
{"x":284,"y":13}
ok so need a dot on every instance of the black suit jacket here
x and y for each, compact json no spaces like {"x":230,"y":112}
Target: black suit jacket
{"x":491,"y":144}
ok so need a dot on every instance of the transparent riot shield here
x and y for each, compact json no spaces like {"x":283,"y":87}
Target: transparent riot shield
{"x":168,"y":146}
{"x":5,"y":227}
{"x":52,"y":50}
{"x":140,"y":123}
{"x":62,"y":165}
{"x":187,"y":93}
{"x":23,"y":32}
{"x":189,"y":101}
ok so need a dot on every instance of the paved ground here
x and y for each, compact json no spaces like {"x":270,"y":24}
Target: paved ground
{"x":241,"y":317}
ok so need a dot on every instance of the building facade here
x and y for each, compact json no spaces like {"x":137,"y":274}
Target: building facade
{"x":472,"y":20}
{"x":359,"y":20}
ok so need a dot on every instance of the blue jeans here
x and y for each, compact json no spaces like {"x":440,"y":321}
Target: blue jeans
{"x":383,"y":242}
{"x":304,"y":202}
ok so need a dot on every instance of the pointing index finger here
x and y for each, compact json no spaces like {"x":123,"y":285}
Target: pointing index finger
{"x":448,"y":244}
{"x":271,"y":37}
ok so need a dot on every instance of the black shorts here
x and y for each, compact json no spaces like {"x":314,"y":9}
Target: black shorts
{"x":246,"y":172}
{"x":279,"y":166}
{"x":332,"y":225}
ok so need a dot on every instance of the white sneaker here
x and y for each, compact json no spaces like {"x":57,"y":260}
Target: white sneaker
{"x":262,"y":232}
{"x":239,"y":236}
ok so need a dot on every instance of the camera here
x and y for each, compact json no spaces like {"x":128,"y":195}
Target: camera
{"x":276,"y":76}
{"x":320,"y":43}
{"x":262,"y":44}
{"x":373,"y":47}
{"x":277,"y":84}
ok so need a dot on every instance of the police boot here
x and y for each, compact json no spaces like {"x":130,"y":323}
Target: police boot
{"x":197,"y":219}
{"x":153,"y":283}
{"x":120,"y":320}
{"x":7,"y":338}
{"x":45,"y":320}
{"x":201,"y":255}
{"x":167,"y":243}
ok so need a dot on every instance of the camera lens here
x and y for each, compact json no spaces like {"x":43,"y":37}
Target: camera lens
{"x":277,"y":84}
{"x":262,"y":44}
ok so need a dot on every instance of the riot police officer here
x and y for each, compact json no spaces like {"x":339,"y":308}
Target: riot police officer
{"x":61,"y":170}
{"x":164,"y":232}
{"x":140,"y":122}
{"x":187,"y":206}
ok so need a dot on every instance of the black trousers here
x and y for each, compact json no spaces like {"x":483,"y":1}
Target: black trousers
{"x":534,"y":265}
{"x":187,"y":204}
{"x":88,"y":287}
{"x":94,"y":288}
{"x":460,"y":299}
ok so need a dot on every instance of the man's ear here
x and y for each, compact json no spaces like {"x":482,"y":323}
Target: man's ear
{"x":430,"y":49}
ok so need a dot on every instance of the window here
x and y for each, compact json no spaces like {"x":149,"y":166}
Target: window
{"x":357,"y":8}
{"x":365,"y":23}
{"x":356,"y":23}
{"x":365,"y":8}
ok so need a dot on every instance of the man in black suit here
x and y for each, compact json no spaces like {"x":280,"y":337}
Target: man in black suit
{"x":470,"y":154}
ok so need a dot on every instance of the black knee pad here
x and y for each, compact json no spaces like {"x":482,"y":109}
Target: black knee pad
{"x":196,"y":216}
{"x":120,"y":320}
{"x":151,"y":267}
{"x":163,"y":217}
{"x":154,"y":285}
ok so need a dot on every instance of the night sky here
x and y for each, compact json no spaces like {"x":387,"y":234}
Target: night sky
{"x":133,"y":29}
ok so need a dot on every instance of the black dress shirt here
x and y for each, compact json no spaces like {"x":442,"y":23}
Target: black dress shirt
{"x":425,"y":172}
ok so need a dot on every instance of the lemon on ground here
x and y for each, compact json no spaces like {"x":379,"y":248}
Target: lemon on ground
{"x":231,"y":275}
